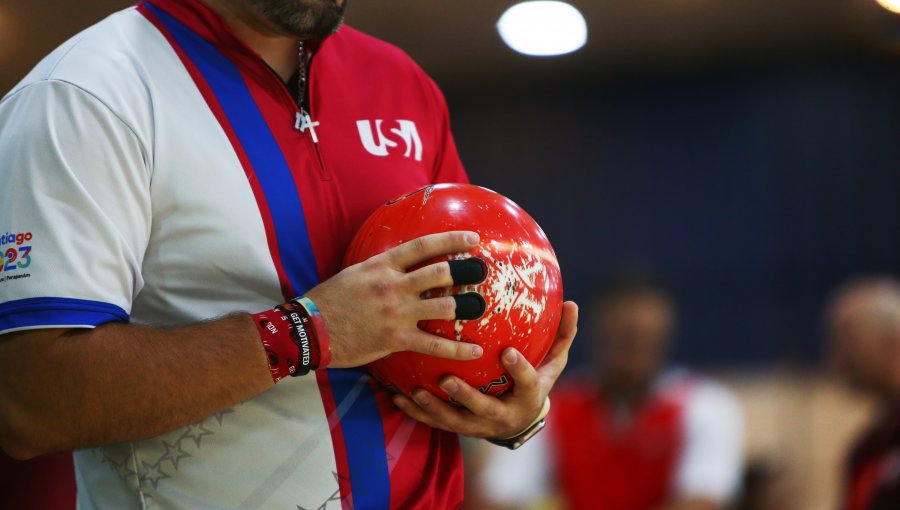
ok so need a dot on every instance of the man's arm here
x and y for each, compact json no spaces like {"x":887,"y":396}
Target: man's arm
{"x":66,"y":389}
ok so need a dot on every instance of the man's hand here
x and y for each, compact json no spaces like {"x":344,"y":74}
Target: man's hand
{"x":372,"y":309}
{"x":486,"y":416}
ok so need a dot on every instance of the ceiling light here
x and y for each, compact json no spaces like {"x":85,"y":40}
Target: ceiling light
{"x":545,"y":28}
{"x":891,"y":5}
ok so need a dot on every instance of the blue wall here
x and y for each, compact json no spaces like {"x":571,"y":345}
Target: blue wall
{"x":753,"y":189}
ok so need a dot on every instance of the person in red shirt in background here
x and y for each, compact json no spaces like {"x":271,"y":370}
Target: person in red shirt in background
{"x":630,"y":435}
{"x":863,"y":323}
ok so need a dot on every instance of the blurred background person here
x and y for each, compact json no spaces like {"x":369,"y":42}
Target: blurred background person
{"x":864,"y":328}
{"x":631,"y":434}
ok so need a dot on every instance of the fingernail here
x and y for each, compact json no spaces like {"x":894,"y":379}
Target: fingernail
{"x":477,"y":351}
{"x":421,"y":398}
{"x":510,"y":356}
{"x":469,"y":306}
{"x":468,"y":271}
{"x":472,"y":238}
{"x":449,"y":386}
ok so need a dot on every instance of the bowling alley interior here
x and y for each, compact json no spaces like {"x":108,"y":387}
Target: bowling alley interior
{"x":720,"y":182}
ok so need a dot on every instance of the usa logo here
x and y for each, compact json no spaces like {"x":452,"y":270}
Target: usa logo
{"x":378,"y":144}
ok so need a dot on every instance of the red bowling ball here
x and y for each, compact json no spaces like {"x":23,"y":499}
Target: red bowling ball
{"x":522,"y":289}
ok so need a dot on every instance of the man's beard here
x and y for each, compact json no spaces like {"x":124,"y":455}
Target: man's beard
{"x":303,"y":19}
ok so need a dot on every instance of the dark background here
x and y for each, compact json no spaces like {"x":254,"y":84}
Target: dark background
{"x":753,"y":189}
{"x":747,"y":150}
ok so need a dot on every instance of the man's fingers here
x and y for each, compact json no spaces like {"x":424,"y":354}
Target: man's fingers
{"x":414,"y":411}
{"x":432,"y":345}
{"x":432,"y":276}
{"x":433,"y":412}
{"x":558,"y":356}
{"x":469,"y":271}
{"x":464,"y":307}
{"x":480,"y":404}
{"x":469,"y":306}
{"x":441,"y":308}
{"x":568,"y":323}
{"x":423,"y":248}
{"x":446,"y":415}
{"x":523,"y":374}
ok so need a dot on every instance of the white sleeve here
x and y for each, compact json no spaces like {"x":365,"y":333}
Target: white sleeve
{"x":74,"y":209}
{"x":517,"y":477}
{"x":711,"y":462}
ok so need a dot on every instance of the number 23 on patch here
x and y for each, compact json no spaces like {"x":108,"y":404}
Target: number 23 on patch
{"x":17,"y":259}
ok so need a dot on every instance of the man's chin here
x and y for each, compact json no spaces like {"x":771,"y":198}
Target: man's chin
{"x":302,"y":19}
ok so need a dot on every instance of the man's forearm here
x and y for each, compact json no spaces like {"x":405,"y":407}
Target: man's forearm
{"x":68,"y":389}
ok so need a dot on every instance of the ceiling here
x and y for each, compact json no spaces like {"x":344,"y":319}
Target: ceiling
{"x":455,"y":40}
{"x":458,"y":36}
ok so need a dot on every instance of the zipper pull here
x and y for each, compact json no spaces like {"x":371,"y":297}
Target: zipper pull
{"x":304,"y":122}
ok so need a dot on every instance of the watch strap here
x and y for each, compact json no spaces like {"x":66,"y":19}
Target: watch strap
{"x":516,"y":441}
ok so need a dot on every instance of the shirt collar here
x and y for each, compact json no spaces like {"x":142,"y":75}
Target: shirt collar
{"x":206,"y":23}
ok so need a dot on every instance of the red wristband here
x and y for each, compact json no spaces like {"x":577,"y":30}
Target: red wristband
{"x":277,"y":338}
{"x":294,"y":337}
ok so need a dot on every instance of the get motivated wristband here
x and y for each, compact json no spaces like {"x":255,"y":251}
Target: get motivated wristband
{"x":294,"y":337}
{"x":318,"y":323}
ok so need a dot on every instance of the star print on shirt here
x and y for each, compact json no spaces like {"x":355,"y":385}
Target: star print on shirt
{"x":150,"y":475}
{"x":122,"y":468}
{"x":196,"y":431}
{"x":153,"y":473}
{"x":174,"y":453}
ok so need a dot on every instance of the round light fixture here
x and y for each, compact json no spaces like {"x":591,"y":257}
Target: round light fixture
{"x":891,"y":5}
{"x":543,"y":28}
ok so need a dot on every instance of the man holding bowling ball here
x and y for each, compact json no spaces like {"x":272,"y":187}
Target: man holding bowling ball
{"x":189,"y":164}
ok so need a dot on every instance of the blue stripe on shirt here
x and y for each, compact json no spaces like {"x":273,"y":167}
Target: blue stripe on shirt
{"x":58,"y":311}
